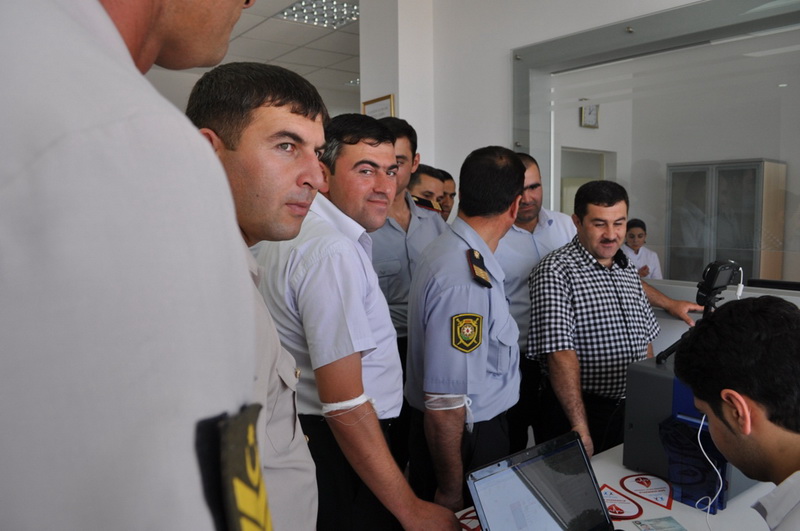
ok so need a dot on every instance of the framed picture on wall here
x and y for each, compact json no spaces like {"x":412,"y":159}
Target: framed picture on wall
{"x":379,"y":107}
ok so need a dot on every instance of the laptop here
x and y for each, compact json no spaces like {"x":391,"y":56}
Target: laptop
{"x":550,"y":486}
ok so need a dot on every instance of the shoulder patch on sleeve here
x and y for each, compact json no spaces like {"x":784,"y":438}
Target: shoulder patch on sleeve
{"x":466,"y":331}
{"x":478,"y":268}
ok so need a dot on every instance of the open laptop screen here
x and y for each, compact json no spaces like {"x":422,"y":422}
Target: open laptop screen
{"x":548,"y":487}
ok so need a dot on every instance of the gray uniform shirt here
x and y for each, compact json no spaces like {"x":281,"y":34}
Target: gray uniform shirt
{"x":462,"y":338}
{"x":395,"y":254}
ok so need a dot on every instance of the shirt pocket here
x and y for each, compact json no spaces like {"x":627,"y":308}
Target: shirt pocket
{"x":282,"y":424}
{"x":504,"y":343}
{"x":386,"y":269}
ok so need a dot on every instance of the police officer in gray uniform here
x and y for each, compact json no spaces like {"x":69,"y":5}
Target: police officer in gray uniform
{"x":463,"y":358}
{"x":396,"y":248}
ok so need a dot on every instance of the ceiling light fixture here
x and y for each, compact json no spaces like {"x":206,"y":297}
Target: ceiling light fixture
{"x":322,"y":13}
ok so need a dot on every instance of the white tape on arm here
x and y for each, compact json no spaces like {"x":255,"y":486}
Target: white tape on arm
{"x":332,"y":411}
{"x":345,"y":406}
{"x":443,"y":402}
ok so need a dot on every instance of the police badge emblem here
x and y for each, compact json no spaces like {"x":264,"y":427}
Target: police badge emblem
{"x":466,"y":331}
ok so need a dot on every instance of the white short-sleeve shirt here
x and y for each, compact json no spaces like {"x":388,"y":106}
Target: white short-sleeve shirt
{"x":324,"y":296}
{"x":781,"y":507}
{"x":645,"y":257}
{"x":519,"y":251}
{"x":127,"y":310}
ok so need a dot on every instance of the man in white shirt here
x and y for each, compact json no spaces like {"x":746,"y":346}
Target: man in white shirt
{"x":265,"y":124}
{"x":743,"y":363}
{"x":535,"y":233}
{"x":331,"y":315}
{"x":127,"y":313}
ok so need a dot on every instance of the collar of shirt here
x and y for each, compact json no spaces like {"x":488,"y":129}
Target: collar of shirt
{"x":323,"y":207}
{"x":473,"y":239}
{"x":521,"y":230}
{"x":776,"y":505}
{"x":416,"y":212}
{"x":252,"y":265}
{"x":620,"y":261}
{"x":545,"y":220}
{"x":412,"y":206}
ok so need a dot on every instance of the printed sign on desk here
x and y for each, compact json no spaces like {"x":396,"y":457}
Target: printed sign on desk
{"x":468,"y":519}
{"x":619,"y":506}
{"x":650,"y":488}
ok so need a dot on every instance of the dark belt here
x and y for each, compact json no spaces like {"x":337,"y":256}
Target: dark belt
{"x":385,"y":423}
{"x":597,"y":399}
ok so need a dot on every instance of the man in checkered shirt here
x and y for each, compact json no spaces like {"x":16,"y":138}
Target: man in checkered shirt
{"x":590,"y":319}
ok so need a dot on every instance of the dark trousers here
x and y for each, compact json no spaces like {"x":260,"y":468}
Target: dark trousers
{"x":345,"y":502}
{"x":606,"y":418}
{"x":528,"y":411}
{"x":488,"y":442}
{"x":399,"y":430}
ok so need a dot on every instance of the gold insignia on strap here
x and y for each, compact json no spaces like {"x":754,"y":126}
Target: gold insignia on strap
{"x":466,"y":331}
{"x":427,"y":204}
{"x":478,"y":268}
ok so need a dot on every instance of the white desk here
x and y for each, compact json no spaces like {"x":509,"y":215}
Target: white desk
{"x":738,"y":515}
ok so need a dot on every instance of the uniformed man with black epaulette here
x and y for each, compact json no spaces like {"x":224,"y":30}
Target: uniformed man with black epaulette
{"x":463,"y":357}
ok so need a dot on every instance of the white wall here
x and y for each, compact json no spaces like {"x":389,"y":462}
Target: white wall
{"x":472,"y":47}
{"x":396,"y":58}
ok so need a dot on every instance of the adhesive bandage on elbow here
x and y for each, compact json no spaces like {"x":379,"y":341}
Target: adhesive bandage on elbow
{"x":337,"y":409}
{"x":442,"y":402}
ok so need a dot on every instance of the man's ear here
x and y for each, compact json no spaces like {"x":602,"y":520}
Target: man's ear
{"x":514,"y":209}
{"x":576,"y":220}
{"x":738,"y":410}
{"x":326,"y":179}
{"x":216,"y":142}
{"x":415,"y":163}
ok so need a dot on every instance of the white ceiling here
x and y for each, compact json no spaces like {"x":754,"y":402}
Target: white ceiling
{"x":327,"y":58}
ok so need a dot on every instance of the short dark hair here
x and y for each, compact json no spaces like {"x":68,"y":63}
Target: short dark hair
{"x":491,"y":179}
{"x":401,"y":129}
{"x":446,"y":175}
{"x":751,"y":346}
{"x":224,"y":98}
{"x":350,"y":129}
{"x":600,"y":193}
{"x":636,"y":223}
{"x":424,"y":169}
{"x":527,"y":160}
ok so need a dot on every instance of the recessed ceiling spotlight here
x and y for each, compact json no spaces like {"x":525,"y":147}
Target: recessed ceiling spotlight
{"x":323,"y":13}
{"x":783,"y":85}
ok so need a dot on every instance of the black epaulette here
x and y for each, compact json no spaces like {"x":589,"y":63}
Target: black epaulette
{"x":426,"y":204}
{"x":478,"y":268}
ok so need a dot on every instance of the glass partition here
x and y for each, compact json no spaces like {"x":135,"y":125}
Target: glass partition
{"x":692,"y":86}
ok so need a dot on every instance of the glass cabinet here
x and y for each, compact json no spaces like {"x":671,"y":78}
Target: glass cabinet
{"x":726,"y":211}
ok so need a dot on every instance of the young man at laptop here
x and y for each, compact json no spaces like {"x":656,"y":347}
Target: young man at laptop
{"x":743,"y":366}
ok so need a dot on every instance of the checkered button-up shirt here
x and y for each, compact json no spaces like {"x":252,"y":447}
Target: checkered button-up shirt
{"x":600,"y":313}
